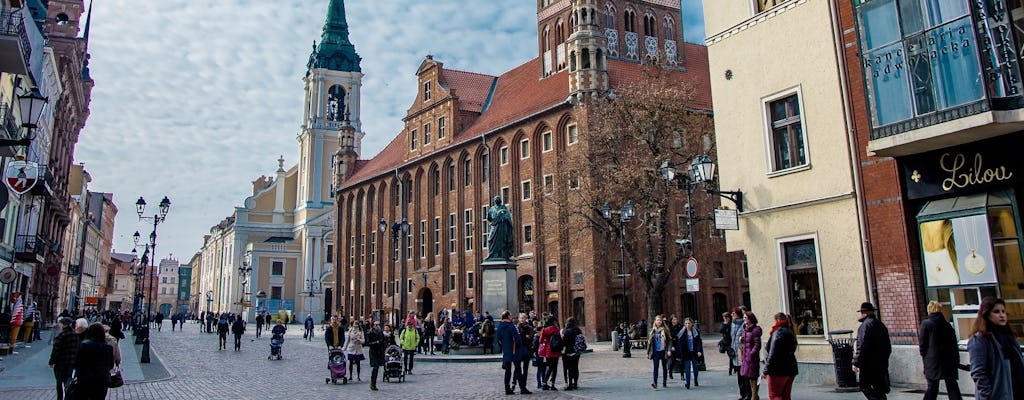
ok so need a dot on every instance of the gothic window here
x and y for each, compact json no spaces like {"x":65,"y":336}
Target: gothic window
{"x":467,"y":172}
{"x":546,"y":37}
{"x":629,"y":18}
{"x":335,"y":103}
{"x":649,"y":24}
{"x":609,"y":16}
{"x":560,"y":32}
{"x":669,"y":29}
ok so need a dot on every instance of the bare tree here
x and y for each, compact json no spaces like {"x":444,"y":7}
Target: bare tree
{"x":626,"y":138}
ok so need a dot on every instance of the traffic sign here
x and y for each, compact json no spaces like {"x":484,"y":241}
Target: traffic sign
{"x":692,"y":268}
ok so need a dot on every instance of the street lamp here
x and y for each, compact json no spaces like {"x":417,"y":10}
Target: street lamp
{"x":30,"y":105}
{"x":244,"y":272}
{"x":626,"y":213}
{"x":157,"y":218}
{"x":209,"y":300}
{"x":399,"y":232}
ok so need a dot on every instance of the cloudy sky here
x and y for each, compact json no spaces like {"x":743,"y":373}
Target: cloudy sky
{"x":194,"y":100}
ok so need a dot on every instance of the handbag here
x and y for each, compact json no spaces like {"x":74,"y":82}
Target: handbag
{"x":116,"y":379}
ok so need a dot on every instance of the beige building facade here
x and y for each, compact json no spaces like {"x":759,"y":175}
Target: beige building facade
{"x":784,"y":140}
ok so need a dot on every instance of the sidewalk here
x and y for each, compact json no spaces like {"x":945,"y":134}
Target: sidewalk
{"x":29,"y":368}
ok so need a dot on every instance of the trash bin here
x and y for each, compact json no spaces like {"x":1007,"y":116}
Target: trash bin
{"x":842,"y":356}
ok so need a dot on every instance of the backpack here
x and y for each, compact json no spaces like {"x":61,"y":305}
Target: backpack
{"x":581,"y":343}
{"x":555,"y":343}
{"x":490,"y":328}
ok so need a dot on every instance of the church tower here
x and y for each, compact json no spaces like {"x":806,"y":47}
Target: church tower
{"x":333,"y":84}
{"x":588,"y":52}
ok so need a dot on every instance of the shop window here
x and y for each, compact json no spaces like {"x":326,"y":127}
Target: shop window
{"x":803,"y":292}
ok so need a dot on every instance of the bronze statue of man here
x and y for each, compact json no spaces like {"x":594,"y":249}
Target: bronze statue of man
{"x":499,"y":238}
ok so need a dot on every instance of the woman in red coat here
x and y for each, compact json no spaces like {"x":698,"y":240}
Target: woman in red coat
{"x":550,"y":357}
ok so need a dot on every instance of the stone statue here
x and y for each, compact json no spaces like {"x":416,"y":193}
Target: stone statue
{"x":499,"y":237}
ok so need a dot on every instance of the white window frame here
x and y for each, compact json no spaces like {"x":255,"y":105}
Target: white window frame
{"x":453,"y":221}
{"x":526,"y":188}
{"x":569,"y":138}
{"x":506,"y":194}
{"x":503,"y":152}
{"x":547,"y":142}
{"x":440,"y":128}
{"x":426,"y":91}
{"x":780,"y":266}
{"x":766,"y":126}
{"x":412,"y":139}
{"x":284,"y":266}
{"x":467,"y":221}
{"x":426,"y":133}
{"x":549,"y":178}
{"x":437,"y":236}
{"x":524,"y":149}
{"x":423,"y":239}
{"x":469,"y":279}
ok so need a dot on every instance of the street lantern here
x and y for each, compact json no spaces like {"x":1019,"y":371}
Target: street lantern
{"x":136,"y":238}
{"x":606,"y":211}
{"x":703,"y":169}
{"x":667,"y":170}
{"x":31,"y":105}
{"x":628,"y":211}
{"x":140,"y":206}
{"x":382,"y":225}
{"x":165,"y":206}
{"x":405,"y":225}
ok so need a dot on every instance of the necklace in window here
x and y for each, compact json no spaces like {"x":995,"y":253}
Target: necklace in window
{"x":972,"y":262}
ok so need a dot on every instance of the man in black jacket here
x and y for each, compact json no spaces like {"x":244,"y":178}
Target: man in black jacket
{"x":62,"y":357}
{"x":940,"y":353}
{"x":872,"y":357}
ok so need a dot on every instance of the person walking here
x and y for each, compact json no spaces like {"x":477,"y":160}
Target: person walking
{"x":551,"y":347}
{"x":736,"y":333}
{"x":93,"y":363}
{"x":674,"y":327}
{"x":872,"y":357}
{"x":780,"y":365}
{"x":222,"y":333}
{"x":238,"y":328}
{"x":659,"y":345}
{"x":376,"y":342}
{"x":689,"y":347}
{"x":159,"y":319}
{"x":750,"y":354}
{"x":354,"y":340}
{"x":526,"y":334}
{"x":512,"y":350}
{"x":572,"y":335}
{"x":259,"y":325}
{"x":174,"y":322}
{"x":725,"y":343}
{"x":62,"y":356}
{"x":939,"y":353}
{"x":996,"y":361}
{"x":429,"y":333}
{"x":410,"y":340}
{"x":309,"y":325}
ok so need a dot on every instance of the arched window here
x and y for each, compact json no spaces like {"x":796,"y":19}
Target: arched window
{"x":609,"y":16}
{"x":585,"y":59}
{"x":650,"y":25}
{"x":560,"y":32}
{"x":669,"y":29}
{"x":546,"y":38}
{"x":629,"y":19}
{"x":335,"y":103}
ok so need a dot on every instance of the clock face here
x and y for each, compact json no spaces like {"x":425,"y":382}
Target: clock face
{"x":8,"y":275}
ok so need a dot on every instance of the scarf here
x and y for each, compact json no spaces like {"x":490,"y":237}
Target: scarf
{"x":337,"y":334}
{"x":781,"y":322}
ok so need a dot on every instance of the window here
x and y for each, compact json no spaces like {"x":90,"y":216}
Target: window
{"x":451,"y":177}
{"x":163,"y":290}
{"x":577,"y":278}
{"x":373,"y":247}
{"x":373,"y":288}
{"x":484,"y":226}
{"x":329,"y":257}
{"x":351,"y":252}
{"x":574,"y":182}
{"x":719,"y":303}
{"x":408,"y":286}
{"x":527,"y":192}
{"x":164,"y":280}
{"x":572,"y":134}
{"x":435,"y":176}
{"x":800,"y":270}
{"x":426,"y":91}
{"x":451,"y":233}
{"x":619,"y":267}
{"x":277,"y":268}
{"x":423,"y":239}
{"x":669,"y":29}
{"x":630,"y":20}
{"x":426,"y":133}
{"x":408,"y":243}
{"x":617,"y":314}
{"x":649,"y":24}
{"x":467,"y":172}
{"x":549,"y":184}
{"x":746,"y":271}
{"x":412,"y":140}
{"x":362,"y":250}
{"x":469,"y":280}
{"x":717,"y":270}
{"x":764,"y":5}
{"x":440,"y":128}
{"x":505,"y":195}
{"x":275,"y":292}
{"x":609,"y":18}
{"x":546,"y":139}
{"x":467,"y":220}
{"x":451,"y":282}
{"x":528,"y":234}
{"x":384,"y":288}
{"x":787,"y":134}
{"x":524,"y":149}
{"x":579,"y":311}
{"x":485,"y":165}
{"x":922,"y":57}
{"x":504,"y":155}
{"x":437,"y":236}
{"x":552,"y":273}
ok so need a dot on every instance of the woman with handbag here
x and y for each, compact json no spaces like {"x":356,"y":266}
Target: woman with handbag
{"x":93,"y":363}
{"x":116,"y":379}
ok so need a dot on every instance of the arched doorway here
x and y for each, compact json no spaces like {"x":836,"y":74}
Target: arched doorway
{"x":426,"y":300}
{"x":689,"y":308}
{"x":526,"y":294}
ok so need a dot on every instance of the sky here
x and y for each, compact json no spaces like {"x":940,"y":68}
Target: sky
{"x":195,"y":100}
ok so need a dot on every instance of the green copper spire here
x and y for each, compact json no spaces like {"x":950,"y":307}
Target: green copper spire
{"x":335,"y":52}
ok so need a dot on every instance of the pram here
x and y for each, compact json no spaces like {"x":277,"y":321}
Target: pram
{"x":456,"y":339}
{"x":393,"y":368}
{"x":275,"y":346}
{"x":338,"y":365}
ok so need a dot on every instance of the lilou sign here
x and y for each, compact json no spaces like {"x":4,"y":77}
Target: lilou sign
{"x":968,"y":168}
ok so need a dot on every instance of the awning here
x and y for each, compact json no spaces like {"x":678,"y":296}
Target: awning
{"x":963,"y":205}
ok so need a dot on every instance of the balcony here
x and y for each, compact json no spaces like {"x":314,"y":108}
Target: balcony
{"x":15,"y":49}
{"x":30,"y":248}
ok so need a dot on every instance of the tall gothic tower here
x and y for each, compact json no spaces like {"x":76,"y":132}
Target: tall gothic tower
{"x":588,"y":51}
{"x":333,"y":85}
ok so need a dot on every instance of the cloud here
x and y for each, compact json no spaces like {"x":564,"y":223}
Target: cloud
{"x":194,"y":100}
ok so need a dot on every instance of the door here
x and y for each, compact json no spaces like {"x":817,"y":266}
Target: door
{"x":426,"y":302}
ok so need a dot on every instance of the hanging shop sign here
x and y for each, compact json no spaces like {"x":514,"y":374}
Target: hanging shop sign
{"x":21,"y":176}
{"x":973,"y":167}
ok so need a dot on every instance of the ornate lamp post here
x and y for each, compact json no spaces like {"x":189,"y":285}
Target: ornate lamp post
{"x":399,"y":232}
{"x":157,"y":218}
{"x":626,"y":214}
{"x":244,"y":272}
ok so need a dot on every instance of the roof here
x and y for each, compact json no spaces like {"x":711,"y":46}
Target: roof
{"x":472,"y":88}
{"x":122,"y":257}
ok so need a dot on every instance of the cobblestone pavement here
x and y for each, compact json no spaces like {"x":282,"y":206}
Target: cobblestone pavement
{"x":199,"y":371}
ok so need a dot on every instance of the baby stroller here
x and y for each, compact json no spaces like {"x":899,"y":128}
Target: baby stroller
{"x":393,"y":368}
{"x":456,"y":339}
{"x":275,"y":346}
{"x":337,"y":364}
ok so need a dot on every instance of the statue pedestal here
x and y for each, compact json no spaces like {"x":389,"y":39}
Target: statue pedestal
{"x":499,"y":290}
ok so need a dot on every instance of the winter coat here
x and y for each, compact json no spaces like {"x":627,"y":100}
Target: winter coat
{"x":309,"y":323}
{"x":112,"y":341}
{"x":681,"y":348}
{"x":939,"y":350}
{"x":375,"y":341}
{"x":526,"y":332}
{"x":354,"y":341}
{"x":329,"y":335}
{"x":569,"y":335}
{"x":990,"y":369}
{"x":781,"y":349}
{"x":65,"y":347}
{"x":278,"y":330}
{"x":545,"y":342}
{"x":664,"y":337}
{"x":750,"y":354}
{"x":94,"y":362}
{"x":429,"y":328}
{"x":410,"y":339}
{"x":736,"y":333}
{"x":512,"y":347}
{"x":238,"y":328}
{"x":873,"y":345}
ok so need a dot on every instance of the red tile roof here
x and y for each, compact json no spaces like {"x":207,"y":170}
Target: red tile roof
{"x":471,"y":88}
{"x":520,"y":93}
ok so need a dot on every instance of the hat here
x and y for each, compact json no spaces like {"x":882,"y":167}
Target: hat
{"x":65,"y":321}
{"x":867,"y":307}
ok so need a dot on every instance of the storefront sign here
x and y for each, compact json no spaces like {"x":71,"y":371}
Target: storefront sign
{"x":969,"y":168}
{"x":998,"y":51}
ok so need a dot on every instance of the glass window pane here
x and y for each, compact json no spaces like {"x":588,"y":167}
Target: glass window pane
{"x":919,"y":60}
{"x":888,"y":86}
{"x":879,"y":24}
{"x":911,"y":16}
{"x":955,"y":65}
{"x":942,"y":11}
{"x":782,"y":151}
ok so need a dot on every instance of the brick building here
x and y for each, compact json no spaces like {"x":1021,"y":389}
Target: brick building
{"x":469,"y":137}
